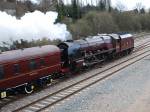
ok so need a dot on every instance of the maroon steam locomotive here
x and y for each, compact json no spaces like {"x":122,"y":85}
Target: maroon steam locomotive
{"x":23,"y":69}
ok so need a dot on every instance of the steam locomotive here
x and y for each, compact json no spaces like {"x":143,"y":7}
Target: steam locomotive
{"x":37,"y":66}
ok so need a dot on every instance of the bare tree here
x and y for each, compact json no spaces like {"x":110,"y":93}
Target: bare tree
{"x":86,"y":2}
{"x":139,"y":6}
{"x":121,"y":7}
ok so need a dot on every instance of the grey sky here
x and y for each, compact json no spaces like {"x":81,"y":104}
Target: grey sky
{"x":130,"y":4}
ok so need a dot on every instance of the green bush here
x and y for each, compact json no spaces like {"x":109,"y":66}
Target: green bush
{"x":145,"y":21}
{"x":93,"y":23}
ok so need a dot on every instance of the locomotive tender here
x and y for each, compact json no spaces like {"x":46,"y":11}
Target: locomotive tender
{"x":23,"y":69}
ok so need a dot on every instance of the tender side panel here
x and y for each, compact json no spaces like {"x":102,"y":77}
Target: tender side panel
{"x":127,"y":43}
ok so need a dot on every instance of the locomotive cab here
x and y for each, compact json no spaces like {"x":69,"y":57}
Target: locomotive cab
{"x":64,"y":54}
{"x":71,"y":54}
{"x":116,"y":42}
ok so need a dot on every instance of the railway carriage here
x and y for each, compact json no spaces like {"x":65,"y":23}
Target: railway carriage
{"x":27,"y":67}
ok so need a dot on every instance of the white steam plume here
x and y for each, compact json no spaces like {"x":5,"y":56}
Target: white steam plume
{"x":31,"y":26}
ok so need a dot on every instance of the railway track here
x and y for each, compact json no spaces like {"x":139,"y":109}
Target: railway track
{"x":141,"y":47}
{"x":18,"y":96}
{"x":12,"y":98}
{"x":139,"y":36}
{"x":61,"y":95}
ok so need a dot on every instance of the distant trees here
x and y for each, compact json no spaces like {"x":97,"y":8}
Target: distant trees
{"x":95,"y":22}
{"x":76,"y":9}
{"x":127,"y":21}
{"x":22,"y":43}
{"x":102,"y":5}
{"x":92,"y":24}
{"x":139,"y":8}
{"x":71,"y":11}
{"x":61,"y":12}
{"x":120,"y":7}
{"x":145,"y":21}
{"x":92,"y":19}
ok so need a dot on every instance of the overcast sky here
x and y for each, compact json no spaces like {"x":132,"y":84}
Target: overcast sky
{"x":129,"y":4}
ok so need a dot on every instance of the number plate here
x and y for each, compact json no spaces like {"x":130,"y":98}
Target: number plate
{"x":3,"y":95}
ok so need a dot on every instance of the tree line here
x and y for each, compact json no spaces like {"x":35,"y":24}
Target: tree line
{"x":77,"y":10}
{"x":91,"y":19}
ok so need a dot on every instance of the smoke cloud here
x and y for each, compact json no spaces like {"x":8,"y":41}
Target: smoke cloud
{"x":32,"y":26}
